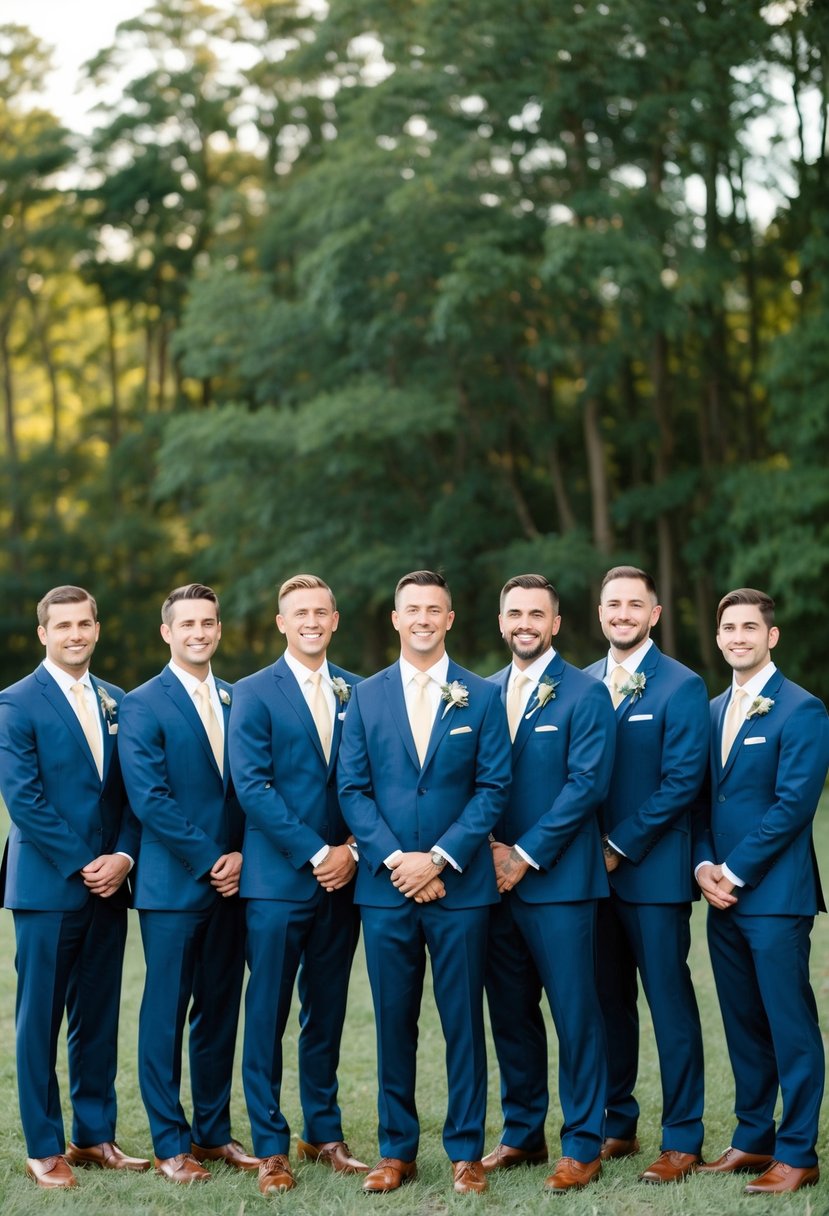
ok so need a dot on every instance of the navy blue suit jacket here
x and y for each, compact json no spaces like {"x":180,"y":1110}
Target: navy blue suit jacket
{"x":285,"y":785}
{"x":454,"y":800}
{"x":562,"y":756}
{"x":764,"y":800}
{"x":662,"y":741}
{"x":189,"y":813}
{"x":63,"y":814}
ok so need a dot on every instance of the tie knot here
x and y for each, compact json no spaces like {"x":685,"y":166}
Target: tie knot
{"x":202,"y":690}
{"x":519,"y":680}
{"x":422,"y":679}
{"x":737,"y":695}
{"x":76,"y":688}
{"x":315,"y":678}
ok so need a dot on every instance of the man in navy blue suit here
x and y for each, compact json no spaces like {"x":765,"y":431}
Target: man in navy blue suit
{"x":71,"y":845}
{"x":661,"y":729}
{"x":548,"y":863}
{"x":285,"y":730}
{"x":174,"y":759}
{"x":424,"y":776}
{"x":755,"y":862}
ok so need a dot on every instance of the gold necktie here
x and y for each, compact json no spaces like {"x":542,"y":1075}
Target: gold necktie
{"x":89,"y":727}
{"x":320,"y":712}
{"x":515,"y":703}
{"x":734,"y":719}
{"x":206,"y":712}
{"x":421,"y":715}
{"x":618,"y":677}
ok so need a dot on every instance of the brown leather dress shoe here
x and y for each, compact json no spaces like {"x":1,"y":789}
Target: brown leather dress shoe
{"x":389,"y":1174}
{"x":735,"y":1161}
{"x":505,"y":1157}
{"x":780,"y":1177}
{"x":275,"y":1175}
{"x":671,"y":1166}
{"x":572,"y":1175}
{"x":183,"y":1168}
{"x":50,"y":1172}
{"x":334,"y":1153}
{"x":614,"y":1149}
{"x":469,"y":1177}
{"x":233,"y":1154}
{"x":106,"y":1156}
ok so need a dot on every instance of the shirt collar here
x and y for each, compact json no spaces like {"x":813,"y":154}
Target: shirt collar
{"x":63,"y":679}
{"x":438,"y":671}
{"x":303,"y":673}
{"x":756,"y":684}
{"x":190,"y":681}
{"x":535,"y":670}
{"x":631,"y":662}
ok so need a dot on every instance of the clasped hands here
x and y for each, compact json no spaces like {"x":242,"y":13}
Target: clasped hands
{"x":336,"y":869}
{"x":225,"y":874}
{"x":715,"y":887}
{"x":104,"y":875}
{"x":416,"y":877}
{"x":510,"y":866}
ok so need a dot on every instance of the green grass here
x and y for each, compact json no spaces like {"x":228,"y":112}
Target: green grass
{"x":320,"y":1193}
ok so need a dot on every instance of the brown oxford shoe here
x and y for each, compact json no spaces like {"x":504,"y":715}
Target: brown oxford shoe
{"x":614,"y":1149}
{"x":50,"y":1172}
{"x":389,"y":1174}
{"x":780,"y":1177}
{"x":671,"y":1166}
{"x":572,"y":1175}
{"x":232,"y":1154}
{"x":469,"y":1177}
{"x":334,"y":1153}
{"x":107,"y":1156}
{"x":183,"y":1168}
{"x":275,"y":1174}
{"x":735,"y":1161}
{"x":505,"y":1157}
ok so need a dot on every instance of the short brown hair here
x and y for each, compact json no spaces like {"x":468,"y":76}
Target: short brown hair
{"x":64,"y":595}
{"x":304,"y":582}
{"x":422,"y":578}
{"x":190,"y":591}
{"x":530,"y":582}
{"x":629,"y":572}
{"x":748,"y":595}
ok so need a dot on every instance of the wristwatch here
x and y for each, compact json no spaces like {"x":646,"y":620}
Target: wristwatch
{"x":353,"y":850}
{"x":437,"y":859}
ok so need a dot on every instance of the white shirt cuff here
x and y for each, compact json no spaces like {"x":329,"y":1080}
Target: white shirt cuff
{"x":129,"y":859}
{"x":392,"y":857}
{"x":526,"y":856}
{"x":731,"y":876}
{"x":616,"y":847}
{"x":320,"y":855}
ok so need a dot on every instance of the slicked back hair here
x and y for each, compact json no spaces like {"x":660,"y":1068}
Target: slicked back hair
{"x":530,"y":582}
{"x":750,"y":596}
{"x":190,"y":591}
{"x":64,"y":595}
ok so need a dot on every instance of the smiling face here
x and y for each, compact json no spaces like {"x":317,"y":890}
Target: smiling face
{"x":746,"y":640}
{"x":627,"y":613}
{"x":528,"y":623}
{"x":308,"y":619}
{"x":193,"y":633}
{"x":423,"y":618}
{"x":69,"y":635}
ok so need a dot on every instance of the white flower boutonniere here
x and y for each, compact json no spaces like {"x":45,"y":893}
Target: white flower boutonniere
{"x":108,"y":704}
{"x":759,"y":707}
{"x":342,"y":691}
{"x":634,"y":687}
{"x":224,"y":696}
{"x":545,"y":691}
{"x":454,"y":694}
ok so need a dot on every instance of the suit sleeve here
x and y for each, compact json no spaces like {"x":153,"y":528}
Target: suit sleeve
{"x":591,"y":748}
{"x":685,"y":747}
{"x":39,"y":821}
{"x":143,"y":756}
{"x":375,"y":839}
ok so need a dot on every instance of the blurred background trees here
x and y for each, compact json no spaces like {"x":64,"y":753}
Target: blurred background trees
{"x":360,"y":287}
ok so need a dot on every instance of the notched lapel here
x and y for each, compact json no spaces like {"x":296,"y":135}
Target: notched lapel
{"x":526,"y":727}
{"x":288,"y":685}
{"x":178,"y":694}
{"x":58,"y":701}
{"x":393,"y":685}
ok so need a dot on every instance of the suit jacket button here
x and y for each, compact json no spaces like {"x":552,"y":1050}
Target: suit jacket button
{"x":421,"y":790}
{"x":721,"y":798}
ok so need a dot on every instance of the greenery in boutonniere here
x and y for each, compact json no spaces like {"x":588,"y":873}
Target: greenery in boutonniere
{"x":108,"y":703}
{"x":634,"y":687}
{"x":455,"y":695}
{"x":342,"y":691}
{"x":545,"y":691}
{"x":759,"y":707}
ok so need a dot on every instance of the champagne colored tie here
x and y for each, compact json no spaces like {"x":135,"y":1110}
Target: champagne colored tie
{"x":515,"y":702}
{"x":206,"y":712}
{"x":618,"y":677}
{"x":320,"y":712}
{"x":421,"y":715}
{"x":89,"y":727}
{"x":734,"y":719}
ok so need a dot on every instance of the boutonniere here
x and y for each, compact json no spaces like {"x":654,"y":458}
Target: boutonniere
{"x":634,"y":687}
{"x":224,"y":696}
{"x":108,"y":704}
{"x":759,"y":707}
{"x":545,"y":691}
{"x":454,"y":694}
{"x":342,"y":691}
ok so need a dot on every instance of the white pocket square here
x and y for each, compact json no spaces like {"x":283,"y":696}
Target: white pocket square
{"x":461,"y":730}
{"x":539,"y":729}
{"x":341,"y":716}
{"x":756,"y":739}
{"x":113,"y":728}
{"x":640,"y":718}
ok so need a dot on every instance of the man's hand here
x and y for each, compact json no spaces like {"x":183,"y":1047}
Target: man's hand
{"x":336,"y":869}
{"x":104,"y":875}
{"x":433,"y":890}
{"x":510,"y":866}
{"x":411,"y":872}
{"x":225,"y":874}
{"x":611,"y":857}
{"x":716,"y":889}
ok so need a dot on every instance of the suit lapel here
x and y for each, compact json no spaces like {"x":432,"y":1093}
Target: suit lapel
{"x":57,"y":699}
{"x":396,"y":700}
{"x":445,"y":717}
{"x":531,"y":717}
{"x":184,"y":703}
{"x":339,"y":707}
{"x":226,"y":723}
{"x":771,"y":687}
{"x":648,"y":667}
{"x":288,"y":685}
{"x":108,"y":739}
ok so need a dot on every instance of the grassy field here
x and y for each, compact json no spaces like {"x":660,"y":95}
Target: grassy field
{"x":319,"y":1193}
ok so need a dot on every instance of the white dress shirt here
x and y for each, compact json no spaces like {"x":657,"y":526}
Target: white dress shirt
{"x":192,"y":682}
{"x":307,"y":687}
